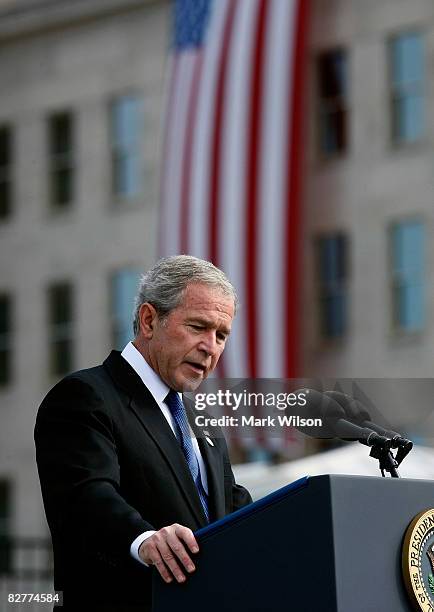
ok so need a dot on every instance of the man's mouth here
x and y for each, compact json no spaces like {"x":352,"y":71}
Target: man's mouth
{"x":197,"y":367}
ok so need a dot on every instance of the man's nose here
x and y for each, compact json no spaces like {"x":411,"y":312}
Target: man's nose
{"x":208,"y":343}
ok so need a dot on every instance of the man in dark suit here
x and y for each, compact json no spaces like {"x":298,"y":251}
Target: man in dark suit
{"x":126,"y":476}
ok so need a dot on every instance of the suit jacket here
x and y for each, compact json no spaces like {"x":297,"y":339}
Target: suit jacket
{"x":111,"y":468}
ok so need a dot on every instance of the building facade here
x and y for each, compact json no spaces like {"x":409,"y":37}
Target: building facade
{"x":80,"y":119}
{"x":82,"y":92}
{"x":367,"y":246}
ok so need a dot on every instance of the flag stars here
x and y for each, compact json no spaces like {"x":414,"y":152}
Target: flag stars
{"x":191,"y":19}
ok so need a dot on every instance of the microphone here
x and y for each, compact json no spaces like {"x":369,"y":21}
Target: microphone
{"x":334,"y":422}
{"x":357,"y":413}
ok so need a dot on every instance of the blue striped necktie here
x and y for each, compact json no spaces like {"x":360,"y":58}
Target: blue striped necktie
{"x":177,"y":410}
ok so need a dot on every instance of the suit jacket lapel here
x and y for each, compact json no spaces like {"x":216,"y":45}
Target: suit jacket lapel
{"x":152,"y":419}
{"x":212,"y":459}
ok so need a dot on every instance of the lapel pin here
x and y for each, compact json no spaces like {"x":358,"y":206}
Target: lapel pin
{"x":210,"y":442}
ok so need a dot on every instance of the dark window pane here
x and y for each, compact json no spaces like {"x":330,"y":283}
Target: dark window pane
{"x":5,"y":339}
{"x":61,"y":186}
{"x":60,"y":313}
{"x":5,"y":199}
{"x":5,"y":367}
{"x":61,"y":159}
{"x":5,"y":147}
{"x":332,"y":266}
{"x":5,"y":314}
{"x":5,"y":172}
{"x":334,"y":137}
{"x":332,"y":74}
{"x":60,"y":134}
{"x":332,"y":259}
{"x":60,"y":304}
{"x":61,"y":357}
{"x":5,"y":516}
{"x":334,"y":315}
{"x":333,"y":118}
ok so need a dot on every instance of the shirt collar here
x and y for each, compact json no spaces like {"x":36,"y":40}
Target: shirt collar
{"x":153,"y":382}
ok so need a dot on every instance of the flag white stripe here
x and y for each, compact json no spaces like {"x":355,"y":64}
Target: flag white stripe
{"x":232,"y":234}
{"x":202,"y":137}
{"x":273,"y":196}
{"x":184,"y":76}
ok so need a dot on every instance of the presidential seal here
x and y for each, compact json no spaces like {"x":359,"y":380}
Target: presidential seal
{"x":418,"y":561}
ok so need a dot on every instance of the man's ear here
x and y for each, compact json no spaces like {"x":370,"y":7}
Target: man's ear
{"x":147,"y":317}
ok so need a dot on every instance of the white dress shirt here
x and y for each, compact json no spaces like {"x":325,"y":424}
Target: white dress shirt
{"x":159,"y":391}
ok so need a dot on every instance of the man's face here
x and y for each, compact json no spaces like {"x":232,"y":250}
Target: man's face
{"x":184,"y":347}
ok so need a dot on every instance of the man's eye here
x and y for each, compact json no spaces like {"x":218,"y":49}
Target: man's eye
{"x":222,"y":337}
{"x":197,"y":326}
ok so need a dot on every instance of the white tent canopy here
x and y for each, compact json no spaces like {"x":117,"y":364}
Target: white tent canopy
{"x":354,"y":459}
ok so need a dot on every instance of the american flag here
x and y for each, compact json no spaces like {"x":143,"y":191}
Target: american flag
{"x":231,"y":165}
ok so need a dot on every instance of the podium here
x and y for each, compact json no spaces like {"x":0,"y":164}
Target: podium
{"x":324,"y":543}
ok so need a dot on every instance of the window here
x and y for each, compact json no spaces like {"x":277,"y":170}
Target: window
{"x":5,"y":339}
{"x":123,"y":291}
{"x":60,"y":322}
{"x":407,"y":79}
{"x":126,"y":129}
{"x":5,"y":172}
{"x":5,"y":515}
{"x":333,"y":272}
{"x":61,"y":162}
{"x":333,"y":102}
{"x":408,"y":275}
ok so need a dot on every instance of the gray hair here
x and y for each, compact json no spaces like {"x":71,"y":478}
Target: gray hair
{"x":164,"y":285}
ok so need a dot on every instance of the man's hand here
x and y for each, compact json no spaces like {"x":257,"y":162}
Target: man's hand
{"x":165,"y":549}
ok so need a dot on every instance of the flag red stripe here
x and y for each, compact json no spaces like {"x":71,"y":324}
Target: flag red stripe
{"x":187,"y":155}
{"x":254,"y":153}
{"x":293,"y":233}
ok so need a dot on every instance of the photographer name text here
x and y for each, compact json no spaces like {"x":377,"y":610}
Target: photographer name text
{"x":251,"y":421}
